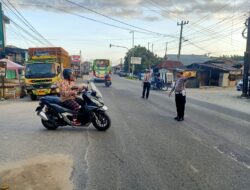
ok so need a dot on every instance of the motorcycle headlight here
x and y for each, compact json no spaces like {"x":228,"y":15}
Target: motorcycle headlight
{"x":96,"y":102}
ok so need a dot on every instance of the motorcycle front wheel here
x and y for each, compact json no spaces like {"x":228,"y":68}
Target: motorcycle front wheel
{"x":101,"y":121}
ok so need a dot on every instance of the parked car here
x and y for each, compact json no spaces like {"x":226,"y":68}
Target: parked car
{"x":239,"y":84}
{"x":122,"y":74}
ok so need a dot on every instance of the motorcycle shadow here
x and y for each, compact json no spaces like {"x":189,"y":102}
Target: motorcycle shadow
{"x":68,"y":129}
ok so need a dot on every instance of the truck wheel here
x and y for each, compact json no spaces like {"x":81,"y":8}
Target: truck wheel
{"x":33,"y":97}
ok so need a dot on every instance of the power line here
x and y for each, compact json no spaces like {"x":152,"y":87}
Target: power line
{"x":116,"y":20}
{"x":24,"y":30}
{"x":192,"y":24}
{"x":94,"y":20}
{"x":15,"y":29}
{"x":28,"y":24}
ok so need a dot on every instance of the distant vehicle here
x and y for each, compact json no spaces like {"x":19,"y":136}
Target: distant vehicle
{"x":108,"y":80}
{"x":101,"y":67}
{"x":159,"y":84}
{"x":239,"y":85}
{"x":122,"y":74}
{"x":141,"y":76}
{"x":85,"y":68}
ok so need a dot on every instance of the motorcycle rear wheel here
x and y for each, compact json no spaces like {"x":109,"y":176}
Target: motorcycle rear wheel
{"x":49,"y":125}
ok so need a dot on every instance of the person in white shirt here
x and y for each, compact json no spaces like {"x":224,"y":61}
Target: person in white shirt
{"x":146,"y":84}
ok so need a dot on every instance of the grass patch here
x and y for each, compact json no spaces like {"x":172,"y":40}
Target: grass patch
{"x":131,"y":78}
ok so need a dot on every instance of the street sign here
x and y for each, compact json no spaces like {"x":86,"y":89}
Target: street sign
{"x":135,"y":60}
{"x":3,"y":69}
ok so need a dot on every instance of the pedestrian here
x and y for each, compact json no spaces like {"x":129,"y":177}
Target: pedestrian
{"x":180,"y":94}
{"x":146,"y":84}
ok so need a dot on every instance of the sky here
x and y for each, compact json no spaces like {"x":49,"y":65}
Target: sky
{"x":214,"y":27}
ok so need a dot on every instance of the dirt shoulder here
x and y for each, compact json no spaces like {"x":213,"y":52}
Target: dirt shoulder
{"x":227,"y":97}
{"x":44,"y":172}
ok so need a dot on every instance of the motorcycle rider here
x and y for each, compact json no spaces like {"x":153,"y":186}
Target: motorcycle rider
{"x":107,"y":77}
{"x":68,"y":93}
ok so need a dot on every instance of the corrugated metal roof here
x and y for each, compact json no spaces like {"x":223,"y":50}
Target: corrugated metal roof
{"x":170,"y":65}
{"x":219,"y":66}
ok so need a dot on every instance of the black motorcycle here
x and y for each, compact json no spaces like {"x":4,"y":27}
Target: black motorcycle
{"x":158,"y":84}
{"x":108,"y":83}
{"x":54,"y":114}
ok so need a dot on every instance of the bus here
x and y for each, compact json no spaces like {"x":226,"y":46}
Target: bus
{"x":101,"y":67}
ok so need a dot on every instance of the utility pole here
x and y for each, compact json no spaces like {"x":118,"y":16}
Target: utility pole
{"x":180,"y":41}
{"x":148,"y":45}
{"x":245,"y":90}
{"x":133,"y":44}
{"x":166,"y":51}
{"x":121,"y":61}
{"x":80,"y":66}
{"x":152,"y":48}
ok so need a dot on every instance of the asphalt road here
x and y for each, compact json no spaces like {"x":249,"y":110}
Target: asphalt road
{"x":145,"y":148}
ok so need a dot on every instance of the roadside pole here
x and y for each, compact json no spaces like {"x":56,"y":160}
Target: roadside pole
{"x":245,"y":90}
{"x":133,"y":45}
{"x":180,"y":40}
{"x":2,"y":50}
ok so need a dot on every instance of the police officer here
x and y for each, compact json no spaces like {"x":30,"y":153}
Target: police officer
{"x":146,"y":84}
{"x":180,"y":94}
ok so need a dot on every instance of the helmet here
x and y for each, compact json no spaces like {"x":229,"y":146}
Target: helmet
{"x":67,"y":73}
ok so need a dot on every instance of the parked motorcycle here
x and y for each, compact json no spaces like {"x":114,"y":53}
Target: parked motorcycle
{"x":54,"y":114}
{"x":159,"y":84}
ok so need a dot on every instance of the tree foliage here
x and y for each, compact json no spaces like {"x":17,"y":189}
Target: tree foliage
{"x":149,"y":60}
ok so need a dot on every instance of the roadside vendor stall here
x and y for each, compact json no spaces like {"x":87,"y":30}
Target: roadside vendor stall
{"x":12,"y":84}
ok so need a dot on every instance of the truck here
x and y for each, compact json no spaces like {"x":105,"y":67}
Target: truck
{"x":76,"y":64}
{"x":85,"y":68}
{"x":43,"y":70}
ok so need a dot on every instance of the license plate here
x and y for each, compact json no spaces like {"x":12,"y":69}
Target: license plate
{"x":41,"y":92}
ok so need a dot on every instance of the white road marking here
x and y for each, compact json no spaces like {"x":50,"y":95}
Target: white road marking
{"x":233,"y":157}
{"x":194,"y":169}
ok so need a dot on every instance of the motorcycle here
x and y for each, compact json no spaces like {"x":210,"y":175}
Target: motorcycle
{"x":159,"y":84}
{"x":107,"y":83}
{"x":54,"y":114}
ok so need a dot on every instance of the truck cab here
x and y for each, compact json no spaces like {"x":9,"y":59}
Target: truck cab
{"x":41,"y":78}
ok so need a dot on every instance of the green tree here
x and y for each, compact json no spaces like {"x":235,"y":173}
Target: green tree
{"x":233,"y":57}
{"x":148,"y":59}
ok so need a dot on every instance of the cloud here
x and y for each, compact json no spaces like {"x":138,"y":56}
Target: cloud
{"x":150,"y":10}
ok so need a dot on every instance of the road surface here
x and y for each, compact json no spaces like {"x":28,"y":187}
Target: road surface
{"x":145,"y":148}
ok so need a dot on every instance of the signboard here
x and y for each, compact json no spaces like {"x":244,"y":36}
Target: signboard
{"x":136,"y":60}
{"x":41,"y":53}
{"x":1,"y":29}
{"x":43,"y":57}
{"x":189,"y":74}
{"x":75,"y":58}
{"x":3,"y":69}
